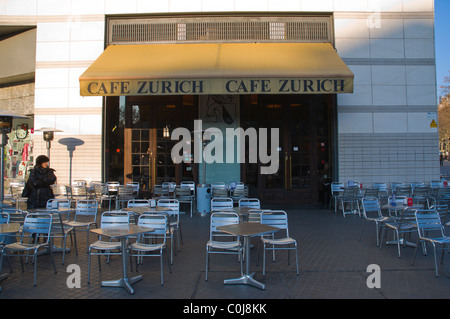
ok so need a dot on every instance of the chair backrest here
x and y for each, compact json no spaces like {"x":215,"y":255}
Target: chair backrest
{"x":394,"y":185}
{"x":4,"y":218}
{"x":240,"y":192}
{"x":249,"y":202}
{"x":218,"y":185}
{"x":219,"y":192}
{"x":276,"y":218}
{"x":55,"y":203}
{"x":125,"y":191}
{"x":39,"y":224}
{"x":59,"y":190}
{"x":79,"y":183}
{"x":138,"y":203}
{"x":371,"y":192}
{"x":350,"y":193}
{"x":79,"y":191}
{"x":254,"y":215}
{"x":156,"y":221}
{"x":114,"y":218}
{"x":336,"y":187}
{"x":380,"y":186}
{"x":112,"y":186}
{"x":429,"y":223}
{"x":436,"y":184}
{"x":221,"y":219}
{"x":173,"y":204}
{"x":160,"y":191}
{"x":88,"y":208}
{"x":15,"y":215}
{"x":16,"y":190}
{"x":183,"y":193}
{"x":403,"y":190}
{"x":371,"y":207}
{"x":135,"y":186}
{"x":189,"y":184}
{"x":442,"y":210}
{"x":170,"y":185}
{"x":219,"y":203}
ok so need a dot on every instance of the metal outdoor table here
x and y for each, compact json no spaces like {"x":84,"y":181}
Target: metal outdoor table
{"x":122,"y":233}
{"x":247,"y":230}
{"x":7,"y":229}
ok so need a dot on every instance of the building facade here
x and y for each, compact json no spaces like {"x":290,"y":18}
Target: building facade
{"x":379,"y":128}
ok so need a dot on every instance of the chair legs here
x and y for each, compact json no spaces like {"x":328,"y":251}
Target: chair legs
{"x":294,"y":247}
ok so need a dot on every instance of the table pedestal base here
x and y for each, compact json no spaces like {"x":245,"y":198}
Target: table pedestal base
{"x":245,"y":280}
{"x":123,"y":283}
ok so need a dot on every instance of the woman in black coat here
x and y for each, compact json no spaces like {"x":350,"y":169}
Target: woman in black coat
{"x":37,"y":188}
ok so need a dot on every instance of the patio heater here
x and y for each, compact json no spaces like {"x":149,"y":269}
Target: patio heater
{"x":6,"y":118}
{"x":203,"y":190}
{"x":48,"y":134}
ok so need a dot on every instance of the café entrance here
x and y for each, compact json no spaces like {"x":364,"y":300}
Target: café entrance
{"x":306,"y":130}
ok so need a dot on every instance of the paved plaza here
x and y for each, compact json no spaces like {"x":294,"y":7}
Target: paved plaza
{"x":333,"y":264}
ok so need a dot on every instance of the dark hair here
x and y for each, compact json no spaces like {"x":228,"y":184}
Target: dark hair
{"x":41,"y":159}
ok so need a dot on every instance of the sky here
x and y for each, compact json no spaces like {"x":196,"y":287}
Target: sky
{"x":442,"y":30}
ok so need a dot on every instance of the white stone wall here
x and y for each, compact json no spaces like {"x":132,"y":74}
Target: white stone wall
{"x":388,"y":44}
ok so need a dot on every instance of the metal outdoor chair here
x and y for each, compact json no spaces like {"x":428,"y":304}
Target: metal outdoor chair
{"x":250,"y":202}
{"x":221,"y":203}
{"x":431,"y":230}
{"x":174,"y":221}
{"x":16,"y":194}
{"x":349,"y":198}
{"x":372,"y":213}
{"x":37,"y":228}
{"x":85,"y":217}
{"x":136,"y":187}
{"x":124,"y":194}
{"x":336,"y":191}
{"x":239,"y":193}
{"x":220,"y":242}
{"x":59,"y":229}
{"x":141,"y":248}
{"x":107,"y":248}
{"x":102,"y":194}
{"x":160,"y":192}
{"x":184,"y":195}
{"x":279,"y":219}
{"x":421,"y":195}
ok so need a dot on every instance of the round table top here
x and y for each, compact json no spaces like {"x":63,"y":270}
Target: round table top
{"x":9,"y":228}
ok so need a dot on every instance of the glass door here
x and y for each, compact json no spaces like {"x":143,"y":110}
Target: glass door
{"x":303,"y":122}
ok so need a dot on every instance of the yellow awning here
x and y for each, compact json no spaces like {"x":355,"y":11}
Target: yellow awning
{"x":212,"y":68}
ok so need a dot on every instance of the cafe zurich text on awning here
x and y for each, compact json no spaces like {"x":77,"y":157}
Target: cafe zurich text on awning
{"x":217,"y":68}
